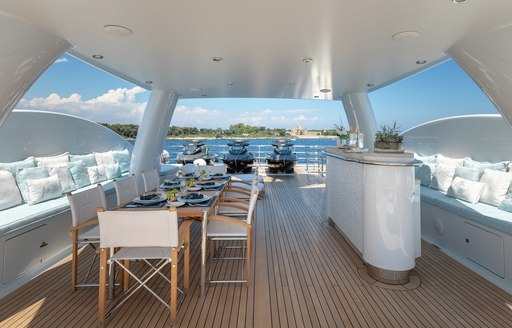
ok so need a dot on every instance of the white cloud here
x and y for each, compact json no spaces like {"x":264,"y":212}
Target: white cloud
{"x":61,"y":60}
{"x":115,"y":106}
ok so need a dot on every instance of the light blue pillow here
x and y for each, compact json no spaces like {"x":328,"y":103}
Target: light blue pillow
{"x":29,"y":173}
{"x":500,"y":166}
{"x":14,"y":166}
{"x":89,"y":159}
{"x":122,"y":158}
{"x":469,"y":173}
{"x":112,"y":171}
{"x":424,"y":173}
{"x":506,"y":204}
{"x":79,"y":173}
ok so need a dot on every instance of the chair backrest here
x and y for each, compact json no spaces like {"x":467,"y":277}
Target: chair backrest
{"x":151,"y":180}
{"x":126,"y":189}
{"x":138,"y":228}
{"x":188,"y":168}
{"x":252,"y":204}
{"x":84,"y":204}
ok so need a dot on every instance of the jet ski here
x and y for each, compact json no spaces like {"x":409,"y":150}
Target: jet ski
{"x":238,"y":159}
{"x":193,"y":150}
{"x":282,"y":158}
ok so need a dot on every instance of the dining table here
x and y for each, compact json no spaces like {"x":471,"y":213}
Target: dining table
{"x":190,"y":213}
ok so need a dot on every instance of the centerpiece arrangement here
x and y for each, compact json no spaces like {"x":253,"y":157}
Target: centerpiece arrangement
{"x":342,"y":134}
{"x":389,"y":140}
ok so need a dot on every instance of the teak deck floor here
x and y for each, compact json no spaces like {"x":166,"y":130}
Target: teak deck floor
{"x":305,"y":275}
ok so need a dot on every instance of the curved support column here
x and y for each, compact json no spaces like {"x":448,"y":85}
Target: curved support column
{"x":152,"y":131}
{"x":25,"y":53}
{"x":360,"y":115}
{"x":486,"y":58}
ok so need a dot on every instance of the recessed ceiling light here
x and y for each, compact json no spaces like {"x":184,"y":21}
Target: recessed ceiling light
{"x":204,"y":95}
{"x":117,"y":30}
{"x":149,"y":82}
{"x":196,"y":89}
{"x":217,"y":59}
{"x":421,"y":62}
{"x":316,"y":96}
{"x":230,"y":83}
{"x":307,"y":60}
{"x":405,"y":35}
{"x":292,"y":84}
{"x":458,"y":1}
{"x":370,"y":85}
{"x":97,"y":56}
{"x":325,"y":90}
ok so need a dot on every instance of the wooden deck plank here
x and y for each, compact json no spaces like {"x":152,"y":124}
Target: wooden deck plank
{"x":304,"y":274}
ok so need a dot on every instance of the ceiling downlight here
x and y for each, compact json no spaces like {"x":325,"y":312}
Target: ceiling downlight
{"x":117,"y":30}
{"x":405,"y":35}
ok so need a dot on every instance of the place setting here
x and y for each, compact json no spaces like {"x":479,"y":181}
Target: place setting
{"x":151,"y":200}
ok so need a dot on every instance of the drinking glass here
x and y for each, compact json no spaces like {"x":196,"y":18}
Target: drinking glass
{"x":360,"y":140}
{"x":352,"y":139}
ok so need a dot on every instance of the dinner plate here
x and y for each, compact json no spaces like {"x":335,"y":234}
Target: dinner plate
{"x":194,"y":188}
{"x":171,"y":186}
{"x":160,"y":198}
{"x":215,"y":185}
{"x":175,"y":204}
{"x":195,"y":201}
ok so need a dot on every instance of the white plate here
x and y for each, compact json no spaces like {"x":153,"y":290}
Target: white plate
{"x":173,"y":186}
{"x":194,"y":188}
{"x":195,"y":201}
{"x":161,"y":198}
{"x":208,"y":186}
{"x":175,"y":204}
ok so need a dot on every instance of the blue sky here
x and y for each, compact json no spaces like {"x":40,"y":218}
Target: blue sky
{"x":74,"y":87}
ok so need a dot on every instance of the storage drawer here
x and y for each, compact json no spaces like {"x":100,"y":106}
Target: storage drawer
{"x":23,"y":252}
{"x":485,"y":248}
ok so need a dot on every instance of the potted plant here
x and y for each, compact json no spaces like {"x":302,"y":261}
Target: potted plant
{"x":388,"y":139}
{"x":342,"y":134}
{"x":171,"y":195}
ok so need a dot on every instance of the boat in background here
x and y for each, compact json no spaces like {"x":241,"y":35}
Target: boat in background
{"x":238,"y":159}
{"x":193,"y":150}
{"x":282,"y":158}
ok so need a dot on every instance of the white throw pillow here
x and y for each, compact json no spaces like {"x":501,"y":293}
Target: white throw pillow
{"x":105,"y":158}
{"x":442,"y":178}
{"x":112,"y":171}
{"x":499,"y":166}
{"x":467,"y":190}
{"x":9,"y":193}
{"x":53,"y":160}
{"x":496,"y":186}
{"x":449,"y":161}
{"x":29,"y":173}
{"x":40,"y":190}
{"x":65,"y":178}
{"x":96,"y":174}
{"x":122,"y":158}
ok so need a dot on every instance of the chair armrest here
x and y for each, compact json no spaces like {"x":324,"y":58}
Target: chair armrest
{"x":84,"y":225}
{"x":233,"y":200}
{"x":229,"y":220}
{"x":240,"y":207}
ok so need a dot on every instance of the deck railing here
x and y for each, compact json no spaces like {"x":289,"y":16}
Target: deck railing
{"x":312,"y":157}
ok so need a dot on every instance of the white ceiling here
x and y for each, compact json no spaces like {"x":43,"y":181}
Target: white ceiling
{"x":262,"y":42}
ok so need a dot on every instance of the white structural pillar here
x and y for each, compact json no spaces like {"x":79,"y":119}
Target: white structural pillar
{"x":487,"y":59}
{"x":360,"y":115}
{"x":152,"y":131}
{"x":25,"y":53}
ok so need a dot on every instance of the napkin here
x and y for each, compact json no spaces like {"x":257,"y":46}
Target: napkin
{"x":193,"y":196}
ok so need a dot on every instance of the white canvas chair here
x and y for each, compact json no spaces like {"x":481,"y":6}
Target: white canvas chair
{"x":149,"y":237}
{"x":126,"y":189}
{"x":151,"y":180}
{"x":223,"y":228}
{"x":189,"y":168}
{"x":85,"y":229}
{"x":213,"y":169}
{"x":240,"y":189}
{"x":235,"y":203}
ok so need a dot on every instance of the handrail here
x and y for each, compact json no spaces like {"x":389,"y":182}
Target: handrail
{"x":312,"y":157}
